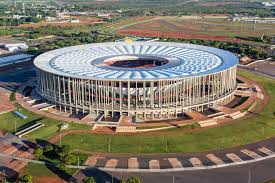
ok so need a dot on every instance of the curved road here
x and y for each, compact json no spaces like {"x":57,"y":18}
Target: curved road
{"x":252,"y":173}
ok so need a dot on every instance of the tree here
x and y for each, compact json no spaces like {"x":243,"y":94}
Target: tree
{"x":32,"y":49}
{"x":88,"y":180}
{"x":133,"y":180}
{"x":64,"y":150}
{"x":62,"y":167}
{"x":48,"y":148}
{"x":69,"y":159}
{"x":38,"y":152}
{"x":26,"y":178}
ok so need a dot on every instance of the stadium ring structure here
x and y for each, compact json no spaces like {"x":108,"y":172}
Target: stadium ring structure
{"x":145,"y":80}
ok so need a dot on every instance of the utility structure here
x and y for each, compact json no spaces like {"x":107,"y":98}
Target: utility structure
{"x":144,"y":80}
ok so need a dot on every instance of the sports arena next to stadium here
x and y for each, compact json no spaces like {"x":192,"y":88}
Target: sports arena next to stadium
{"x":145,"y":80}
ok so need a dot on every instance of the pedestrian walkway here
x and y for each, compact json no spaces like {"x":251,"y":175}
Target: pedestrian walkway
{"x":11,"y":167}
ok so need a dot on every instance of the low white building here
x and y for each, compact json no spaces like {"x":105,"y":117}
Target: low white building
{"x":14,"y":59}
{"x":253,"y":19}
{"x":268,"y":4}
{"x":74,"y":21}
{"x":16,"y":46}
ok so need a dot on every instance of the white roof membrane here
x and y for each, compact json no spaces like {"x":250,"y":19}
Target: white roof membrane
{"x":87,"y":61}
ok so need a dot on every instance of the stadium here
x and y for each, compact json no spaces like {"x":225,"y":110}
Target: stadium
{"x":143,"y":80}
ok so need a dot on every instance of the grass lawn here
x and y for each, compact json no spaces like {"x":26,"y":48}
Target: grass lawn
{"x":38,"y":170}
{"x":9,"y":121}
{"x":258,"y":127}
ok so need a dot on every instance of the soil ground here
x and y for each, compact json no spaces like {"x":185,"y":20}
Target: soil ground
{"x":196,"y":28}
{"x":43,"y":179}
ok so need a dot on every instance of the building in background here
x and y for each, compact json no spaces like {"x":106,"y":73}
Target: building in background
{"x":15,"y":47}
{"x":15,"y":59}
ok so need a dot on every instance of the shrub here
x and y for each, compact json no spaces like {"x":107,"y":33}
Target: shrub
{"x":26,"y":178}
{"x":64,"y":150}
{"x":48,"y":148}
{"x":133,"y":180}
{"x":69,"y":159}
{"x":62,"y":167}
{"x":88,"y":180}
{"x":38,"y":152}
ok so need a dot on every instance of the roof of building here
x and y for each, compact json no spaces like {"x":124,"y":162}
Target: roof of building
{"x":14,"y":58}
{"x":96,"y":61}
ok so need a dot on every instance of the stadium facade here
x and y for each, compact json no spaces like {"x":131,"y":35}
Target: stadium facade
{"x":146,"y":80}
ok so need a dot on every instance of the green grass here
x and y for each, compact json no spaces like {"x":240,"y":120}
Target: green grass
{"x":258,"y":127}
{"x":9,"y":121}
{"x":270,"y":181}
{"x":39,"y":170}
{"x":46,"y":170}
{"x":246,"y":108}
{"x":217,"y":27}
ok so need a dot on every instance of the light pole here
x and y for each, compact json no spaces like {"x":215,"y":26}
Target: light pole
{"x":15,"y":127}
{"x":109,"y":144}
{"x":60,"y":137}
{"x":249,"y":177}
{"x":222,"y":140}
{"x":166,"y":145}
{"x":78,"y":161}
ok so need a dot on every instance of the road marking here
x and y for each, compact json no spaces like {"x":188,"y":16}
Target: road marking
{"x":92,"y":160}
{"x":196,"y":162}
{"x":266,"y":151}
{"x":234,"y":157}
{"x":175,"y":163}
{"x":215,"y":159}
{"x":133,"y":163}
{"x":111,"y":163}
{"x":251,"y":153}
{"x":154,"y":164}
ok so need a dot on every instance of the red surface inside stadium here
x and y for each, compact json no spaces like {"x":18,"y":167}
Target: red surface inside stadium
{"x":136,"y":63}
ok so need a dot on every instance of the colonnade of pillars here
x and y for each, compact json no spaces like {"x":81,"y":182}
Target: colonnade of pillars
{"x":159,"y":98}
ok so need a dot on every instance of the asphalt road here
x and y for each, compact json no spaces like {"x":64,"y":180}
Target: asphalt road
{"x":259,"y":173}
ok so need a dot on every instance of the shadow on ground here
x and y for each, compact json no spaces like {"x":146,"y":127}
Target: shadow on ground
{"x":100,"y":176}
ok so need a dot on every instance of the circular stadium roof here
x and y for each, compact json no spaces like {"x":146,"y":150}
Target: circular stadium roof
{"x":135,"y":61}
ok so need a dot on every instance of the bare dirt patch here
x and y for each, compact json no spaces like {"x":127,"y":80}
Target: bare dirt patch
{"x":44,"y":179}
{"x":195,"y":28}
{"x":151,"y":33}
{"x":83,"y":20}
{"x":5,"y":104}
